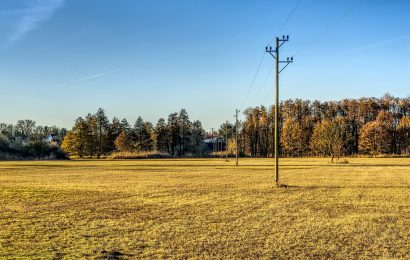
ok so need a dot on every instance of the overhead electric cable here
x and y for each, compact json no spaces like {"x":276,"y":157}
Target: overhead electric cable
{"x":263,"y":54}
{"x":258,"y":90}
{"x":287,"y":19}
{"x":253,"y":81}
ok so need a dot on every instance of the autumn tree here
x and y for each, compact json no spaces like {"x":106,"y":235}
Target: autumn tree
{"x":375,"y":136}
{"x":231,"y":146}
{"x":404,"y":135}
{"x":226,"y":131}
{"x":123,"y":142}
{"x":251,"y":130}
{"x":292,"y":137}
{"x":79,"y":139}
{"x":71,"y":144}
{"x":329,"y":137}
{"x":370,"y":139}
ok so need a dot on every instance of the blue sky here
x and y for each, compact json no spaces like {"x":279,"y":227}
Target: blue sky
{"x":60,"y":59}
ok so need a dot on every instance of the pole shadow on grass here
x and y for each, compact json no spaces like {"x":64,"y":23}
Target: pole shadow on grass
{"x":314,"y":187}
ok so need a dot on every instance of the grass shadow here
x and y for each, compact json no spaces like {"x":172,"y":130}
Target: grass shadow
{"x":313,"y":187}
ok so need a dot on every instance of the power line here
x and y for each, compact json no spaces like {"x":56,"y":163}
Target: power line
{"x":268,"y":95}
{"x":253,"y":81}
{"x":287,"y":18}
{"x":323,"y":33}
{"x":263,"y":54}
{"x":311,"y":43}
{"x":280,"y":29}
{"x":258,"y":90}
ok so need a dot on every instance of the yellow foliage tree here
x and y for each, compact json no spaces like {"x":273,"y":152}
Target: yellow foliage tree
{"x":375,"y":136}
{"x":292,"y":137}
{"x":404,"y":134}
{"x":70,"y":144}
{"x":123,"y":142}
{"x":330,"y":137}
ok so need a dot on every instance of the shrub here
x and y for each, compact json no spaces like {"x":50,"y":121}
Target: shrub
{"x":138,"y":155}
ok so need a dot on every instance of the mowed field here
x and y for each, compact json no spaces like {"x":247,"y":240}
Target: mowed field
{"x":194,"y":208}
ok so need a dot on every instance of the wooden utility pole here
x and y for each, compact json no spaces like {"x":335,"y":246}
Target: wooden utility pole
{"x":212,"y":140}
{"x":236,"y":136}
{"x":277,"y":114}
{"x":220,"y":146}
{"x":226,"y":139}
{"x":217,"y":143}
{"x":279,"y":43}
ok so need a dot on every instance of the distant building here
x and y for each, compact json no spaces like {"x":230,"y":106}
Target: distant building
{"x":216,"y":142}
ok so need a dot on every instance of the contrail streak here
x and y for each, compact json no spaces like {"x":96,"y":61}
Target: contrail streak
{"x":366,"y":47}
{"x":87,"y":78}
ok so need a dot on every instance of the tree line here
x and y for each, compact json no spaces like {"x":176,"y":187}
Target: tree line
{"x":95,"y":135}
{"x":370,"y":126}
{"x":26,"y":140}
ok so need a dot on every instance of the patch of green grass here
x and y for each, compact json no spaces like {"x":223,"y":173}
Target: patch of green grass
{"x":194,"y":208}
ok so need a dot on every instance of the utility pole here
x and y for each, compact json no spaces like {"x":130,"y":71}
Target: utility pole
{"x":226,"y":139}
{"x":279,"y":43}
{"x":236,"y":136}
{"x":217,"y":143}
{"x":212,"y":139}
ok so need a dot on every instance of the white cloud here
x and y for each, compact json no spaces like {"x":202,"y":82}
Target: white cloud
{"x":32,"y":17}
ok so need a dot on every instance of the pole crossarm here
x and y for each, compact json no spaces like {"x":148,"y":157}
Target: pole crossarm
{"x":287,"y":63}
{"x":269,"y":50}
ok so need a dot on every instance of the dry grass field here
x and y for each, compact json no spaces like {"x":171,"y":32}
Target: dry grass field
{"x":205,"y":209}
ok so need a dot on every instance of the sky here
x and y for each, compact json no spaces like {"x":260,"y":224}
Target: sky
{"x":61,"y":59}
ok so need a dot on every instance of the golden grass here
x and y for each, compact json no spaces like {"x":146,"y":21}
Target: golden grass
{"x":194,"y":208}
